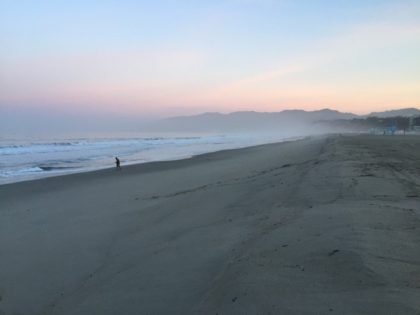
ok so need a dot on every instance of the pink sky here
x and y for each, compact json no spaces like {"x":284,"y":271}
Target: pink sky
{"x":361,"y":64}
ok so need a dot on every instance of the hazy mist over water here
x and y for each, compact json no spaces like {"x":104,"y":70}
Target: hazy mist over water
{"x":39,"y":143}
{"x":45,"y":123}
{"x":36,"y":144}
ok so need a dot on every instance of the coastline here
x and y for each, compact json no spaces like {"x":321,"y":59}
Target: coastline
{"x":132,"y":166}
{"x":171,"y":155}
{"x":318,"y":225}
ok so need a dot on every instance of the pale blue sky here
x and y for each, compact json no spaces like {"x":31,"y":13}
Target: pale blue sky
{"x":170,"y":57}
{"x":45,"y":27}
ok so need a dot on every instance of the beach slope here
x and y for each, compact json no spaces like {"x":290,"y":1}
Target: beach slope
{"x":324,"y":225}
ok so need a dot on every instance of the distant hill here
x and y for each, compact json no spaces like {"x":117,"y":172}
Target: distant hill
{"x":250,"y":121}
{"x":404,"y":112}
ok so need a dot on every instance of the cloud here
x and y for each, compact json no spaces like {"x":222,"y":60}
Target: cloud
{"x":207,"y":75}
{"x":361,"y":39}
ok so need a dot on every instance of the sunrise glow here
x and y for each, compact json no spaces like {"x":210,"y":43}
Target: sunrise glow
{"x":181,"y":57}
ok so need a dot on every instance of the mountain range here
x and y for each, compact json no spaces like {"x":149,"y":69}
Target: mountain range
{"x":405,"y":112}
{"x":261,"y":121}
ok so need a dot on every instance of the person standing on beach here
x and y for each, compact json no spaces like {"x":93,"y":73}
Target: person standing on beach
{"x":117,"y":163}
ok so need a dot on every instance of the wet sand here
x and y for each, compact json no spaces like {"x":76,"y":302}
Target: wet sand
{"x":327,"y":225}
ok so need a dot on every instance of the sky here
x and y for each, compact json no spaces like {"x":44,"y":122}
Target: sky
{"x":165,"y":58}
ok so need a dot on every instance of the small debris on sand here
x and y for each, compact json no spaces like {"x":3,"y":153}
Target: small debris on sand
{"x":335,"y":251}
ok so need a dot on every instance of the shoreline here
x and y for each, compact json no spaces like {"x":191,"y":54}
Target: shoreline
{"x":134,"y":164}
{"x":320,"y":225}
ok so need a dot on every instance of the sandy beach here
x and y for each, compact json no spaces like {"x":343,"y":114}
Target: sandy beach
{"x":324,"y":225}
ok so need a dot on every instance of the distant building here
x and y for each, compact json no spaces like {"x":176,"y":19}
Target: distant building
{"x":390,"y":130}
{"x":414,"y":123}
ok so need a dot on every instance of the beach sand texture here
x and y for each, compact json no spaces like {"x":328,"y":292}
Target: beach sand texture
{"x":324,"y":225}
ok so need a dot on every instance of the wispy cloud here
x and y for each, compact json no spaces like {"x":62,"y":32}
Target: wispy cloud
{"x":361,"y":39}
{"x":219,"y":64}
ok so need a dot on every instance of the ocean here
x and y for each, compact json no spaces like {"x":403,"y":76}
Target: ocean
{"x":25,"y":159}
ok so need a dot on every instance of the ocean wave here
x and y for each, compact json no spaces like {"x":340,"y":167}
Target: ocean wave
{"x":32,"y":170}
{"x":89,"y":144}
{"x":20,"y":172}
{"x":55,"y":168}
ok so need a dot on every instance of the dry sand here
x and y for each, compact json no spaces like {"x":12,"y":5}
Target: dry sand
{"x":327,"y":225}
